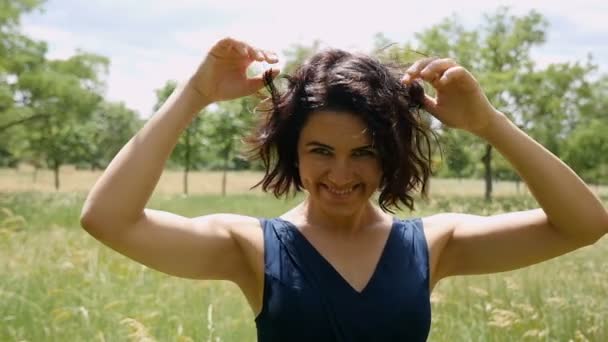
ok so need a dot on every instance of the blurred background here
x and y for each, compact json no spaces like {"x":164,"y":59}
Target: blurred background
{"x":79,"y":79}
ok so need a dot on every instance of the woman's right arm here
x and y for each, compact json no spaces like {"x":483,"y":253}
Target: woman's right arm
{"x":208,"y":247}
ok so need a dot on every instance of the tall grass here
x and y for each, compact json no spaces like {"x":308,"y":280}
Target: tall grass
{"x":59,"y":284}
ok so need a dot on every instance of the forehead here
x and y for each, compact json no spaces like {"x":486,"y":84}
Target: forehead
{"x":335,"y":128}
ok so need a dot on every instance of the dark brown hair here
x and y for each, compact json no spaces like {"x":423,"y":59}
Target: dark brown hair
{"x":342,"y":81}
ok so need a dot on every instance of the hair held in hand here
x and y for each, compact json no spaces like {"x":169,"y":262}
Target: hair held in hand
{"x":337,"y":80}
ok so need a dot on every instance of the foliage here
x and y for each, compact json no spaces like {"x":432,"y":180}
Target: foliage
{"x":53,"y":112}
{"x":546,"y":102}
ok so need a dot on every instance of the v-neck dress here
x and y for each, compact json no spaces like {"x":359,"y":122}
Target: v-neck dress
{"x":306,"y":299}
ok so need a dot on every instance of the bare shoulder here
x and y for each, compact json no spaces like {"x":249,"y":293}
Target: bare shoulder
{"x":439,"y":227}
{"x":246,"y":231}
{"x":247,"y":234}
{"x":438,"y":230}
{"x":237,"y":224}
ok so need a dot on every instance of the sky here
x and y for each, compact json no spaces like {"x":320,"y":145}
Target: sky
{"x":152,"y":41}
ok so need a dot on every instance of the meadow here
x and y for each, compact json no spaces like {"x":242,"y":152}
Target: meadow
{"x":59,"y":284}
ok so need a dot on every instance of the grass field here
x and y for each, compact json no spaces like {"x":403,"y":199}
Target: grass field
{"x":72,"y":180}
{"x":58,"y":284}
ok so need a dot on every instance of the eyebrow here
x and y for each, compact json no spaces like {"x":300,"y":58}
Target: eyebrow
{"x":319,"y":144}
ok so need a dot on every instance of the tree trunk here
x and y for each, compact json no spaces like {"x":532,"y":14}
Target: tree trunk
{"x":187,"y":163}
{"x":224,"y":174}
{"x":186,"y":180}
{"x":56,"y":172}
{"x":35,"y":174}
{"x":487,"y":162}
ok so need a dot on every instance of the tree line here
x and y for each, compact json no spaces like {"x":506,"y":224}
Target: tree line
{"x":53,"y":111}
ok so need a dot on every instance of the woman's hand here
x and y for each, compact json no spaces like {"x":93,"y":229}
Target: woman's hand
{"x":460,"y":102}
{"x":222,"y":74}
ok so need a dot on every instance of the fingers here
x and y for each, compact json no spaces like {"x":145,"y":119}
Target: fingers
{"x":430,"y":70}
{"x":435,"y":70}
{"x":264,"y":56}
{"x":255,"y":54}
{"x":429,"y":104}
{"x":228,"y":46}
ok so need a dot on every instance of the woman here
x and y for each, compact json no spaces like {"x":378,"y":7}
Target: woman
{"x":337,"y":267}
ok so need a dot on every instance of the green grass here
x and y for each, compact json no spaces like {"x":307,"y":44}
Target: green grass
{"x":58,"y":284}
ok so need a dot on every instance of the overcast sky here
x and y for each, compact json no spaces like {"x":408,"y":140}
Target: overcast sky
{"x":151,"y":41}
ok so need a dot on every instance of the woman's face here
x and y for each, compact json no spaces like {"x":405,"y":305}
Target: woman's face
{"x":338,"y":165}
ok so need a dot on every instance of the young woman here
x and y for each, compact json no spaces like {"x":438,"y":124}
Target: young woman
{"x":337,"y":267}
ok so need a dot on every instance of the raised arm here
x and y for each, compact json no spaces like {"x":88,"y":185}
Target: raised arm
{"x":114,"y":211}
{"x":570,"y":217}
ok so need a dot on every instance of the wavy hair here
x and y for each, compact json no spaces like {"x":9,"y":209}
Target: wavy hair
{"x":338,"y":80}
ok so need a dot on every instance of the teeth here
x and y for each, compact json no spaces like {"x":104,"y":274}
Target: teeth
{"x":340,"y":192}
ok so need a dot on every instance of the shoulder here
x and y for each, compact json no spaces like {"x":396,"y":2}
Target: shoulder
{"x":438,"y":230}
{"x":439,"y":227}
{"x":231,"y":223}
{"x":235,"y":223}
{"x":247,"y":233}
{"x":229,"y":220}
{"x":442,"y":223}
{"x":244,"y":230}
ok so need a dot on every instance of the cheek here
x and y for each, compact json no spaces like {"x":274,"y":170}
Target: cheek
{"x":310,"y":171}
{"x":369,"y":170}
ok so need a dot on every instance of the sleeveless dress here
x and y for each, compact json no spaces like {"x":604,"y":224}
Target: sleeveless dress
{"x":306,"y":299}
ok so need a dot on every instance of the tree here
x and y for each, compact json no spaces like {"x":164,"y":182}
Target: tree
{"x":549,"y":102}
{"x":496,"y":53}
{"x":64,"y":93}
{"x":586,"y":150}
{"x":225,"y":128}
{"x":11,"y":11}
{"x":457,"y":157}
{"x":102,"y":136}
{"x":188,"y":150}
{"x":18,"y":53}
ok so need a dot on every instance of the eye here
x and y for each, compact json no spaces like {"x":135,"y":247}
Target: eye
{"x":364,"y":153}
{"x":321,"y":151}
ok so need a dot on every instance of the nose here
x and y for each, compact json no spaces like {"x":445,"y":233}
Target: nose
{"x":341,"y":173}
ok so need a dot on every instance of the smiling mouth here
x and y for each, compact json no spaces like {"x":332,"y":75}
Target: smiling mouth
{"x":340,"y":192}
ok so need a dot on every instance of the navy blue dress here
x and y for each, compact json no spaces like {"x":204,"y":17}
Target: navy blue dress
{"x":306,"y":299}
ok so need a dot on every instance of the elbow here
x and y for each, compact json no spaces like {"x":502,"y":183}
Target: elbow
{"x":103,"y":224}
{"x":602,"y":228}
{"x":595,"y":235}
{"x":94,"y":222}
{"x":591,"y":231}
{"x":91,"y":226}
{"x":87,"y":216}
{"x":591,"y":240}
{"x":86,"y":222}
{"x":603,"y":231}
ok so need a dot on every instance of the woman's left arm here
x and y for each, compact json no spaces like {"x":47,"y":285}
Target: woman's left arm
{"x":571,"y":207}
{"x":571,"y":216}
